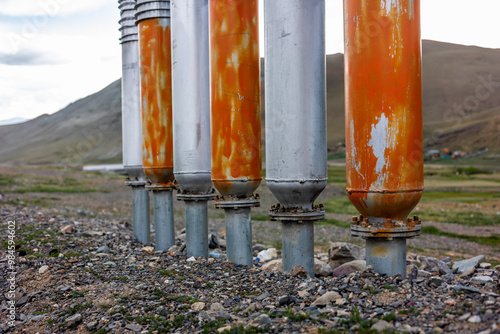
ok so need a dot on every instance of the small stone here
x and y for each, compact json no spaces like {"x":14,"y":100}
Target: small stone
{"x":382,"y":325}
{"x":73,"y":320}
{"x":485,"y":265}
{"x":424,"y":274}
{"x":264,"y":319}
{"x":321,"y":268}
{"x":464,"y":317}
{"x":43,"y":269}
{"x":481,"y":279}
{"x":475,"y":319}
{"x":134,"y":327}
{"x":91,"y":325}
{"x":148,"y":250}
{"x":337,"y":272}
{"x":223,"y":329}
{"x":68,"y":229}
{"x":460,"y":267}
{"x":110,"y":264}
{"x":468,"y":272}
{"x":356,"y":265}
{"x":198,"y":306}
{"x":342,"y":252}
{"x":343,"y":313}
{"x":299,"y":271}
{"x":102,"y":249}
{"x":216,"y":307}
{"x":326,"y":299}
{"x":450,"y":302}
{"x":191,"y":259}
{"x":437,"y":330}
{"x":436,"y":281}
{"x":340,"y":301}
{"x":444,"y":269}
{"x":273,"y":266}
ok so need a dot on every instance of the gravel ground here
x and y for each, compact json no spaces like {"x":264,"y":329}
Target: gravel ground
{"x":84,"y":273}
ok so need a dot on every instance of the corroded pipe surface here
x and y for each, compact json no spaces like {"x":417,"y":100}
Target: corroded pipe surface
{"x":383,"y":84}
{"x":156,"y":100}
{"x":235,"y":97}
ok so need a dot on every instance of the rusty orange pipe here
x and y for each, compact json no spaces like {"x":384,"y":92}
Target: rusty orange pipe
{"x":156,"y":101}
{"x":235,"y":97}
{"x":384,"y":157}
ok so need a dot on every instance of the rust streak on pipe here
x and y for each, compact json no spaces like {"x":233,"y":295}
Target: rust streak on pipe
{"x":235,"y":97}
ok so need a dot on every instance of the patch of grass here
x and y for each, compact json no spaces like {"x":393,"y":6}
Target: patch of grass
{"x":120,"y":278}
{"x":77,"y":294}
{"x":340,"y":205}
{"x":469,"y":218}
{"x":389,"y":317}
{"x":337,"y":175}
{"x":492,"y":240}
{"x":356,"y":319}
{"x":105,"y":307}
{"x":121,"y":310}
{"x":166,"y":272}
{"x":78,"y":307}
{"x":212,"y":326}
{"x":389,"y":287}
{"x":300,"y":316}
{"x":248,"y":330}
{"x":335,"y":222}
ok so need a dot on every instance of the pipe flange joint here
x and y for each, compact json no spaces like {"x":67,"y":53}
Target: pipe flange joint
{"x":297,"y":215}
{"x":362,"y":227}
{"x":161,"y":187}
{"x":233,"y":202}
{"x":187,"y":196}
{"x":135,"y":183}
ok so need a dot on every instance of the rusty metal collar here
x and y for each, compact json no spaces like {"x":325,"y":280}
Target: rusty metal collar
{"x":362,"y":227}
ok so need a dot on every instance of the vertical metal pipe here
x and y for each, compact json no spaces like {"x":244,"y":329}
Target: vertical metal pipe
{"x":140,"y":214}
{"x":153,"y":21}
{"x":239,"y":236}
{"x":298,"y":245}
{"x":236,"y":119}
{"x":296,"y":120}
{"x":383,"y":87}
{"x":131,"y":120}
{"x":196,"y":228}
{"x":191,"y":117}
{"x":387,"y":256}
{"x":164,"y":220}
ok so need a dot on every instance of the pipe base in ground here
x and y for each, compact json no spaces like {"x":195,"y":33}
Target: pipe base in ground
{"x":387,"y":256}
{"x":239,"y":236}
{"x":298,"y":245}
{"x":164,"y":220}
{"x":196,"y":228}
{"x":140,"y":214}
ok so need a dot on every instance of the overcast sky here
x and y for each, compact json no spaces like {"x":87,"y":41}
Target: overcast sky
{"x":53,"y":52}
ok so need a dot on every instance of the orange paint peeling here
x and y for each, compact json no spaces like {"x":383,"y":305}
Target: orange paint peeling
{"x":235,"y":96}
{"x":383,"y":106}
{"x":156,"y":100}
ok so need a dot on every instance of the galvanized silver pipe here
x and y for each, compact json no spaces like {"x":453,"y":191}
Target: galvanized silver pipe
{"x":298,"y":245}
{"x":191,"y":117}
{"x":296,"y":121}
{"x":140,"y":214}
{"x":164,"y":220}
{"x":196,"y":228}
{"x":239,"y":236}
{"x":387,"y":256}
{"x":131,"y":121}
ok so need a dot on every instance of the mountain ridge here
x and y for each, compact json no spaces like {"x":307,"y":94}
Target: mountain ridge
{"x":461,"y":110}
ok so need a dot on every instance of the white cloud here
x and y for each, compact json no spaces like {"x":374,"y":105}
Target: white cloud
{"x":48,"y":7}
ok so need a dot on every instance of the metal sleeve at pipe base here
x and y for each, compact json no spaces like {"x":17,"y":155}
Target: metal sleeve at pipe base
{"x":387,"y":256}
{"x":164,"y":220}
{"x":298,"y":246}
{"x":140,"y":214}
{"x":196,"y":228}
{"x":239,"y":236}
